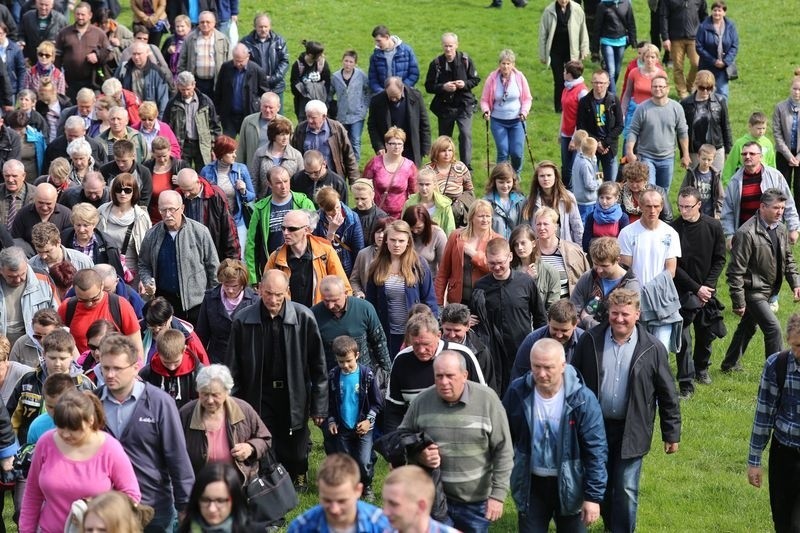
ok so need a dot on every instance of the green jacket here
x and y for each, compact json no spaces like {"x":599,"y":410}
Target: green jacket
{"x":256,"y":253}
{"x":442,"y":212}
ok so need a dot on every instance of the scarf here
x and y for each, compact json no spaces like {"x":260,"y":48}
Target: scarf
{"x":199,"y":526}
{"x":607,"y":216}
{"x":627,"y":200}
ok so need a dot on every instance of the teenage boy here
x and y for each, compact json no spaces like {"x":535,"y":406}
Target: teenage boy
{"x":756,"y":128}
{"x":173,"y":367}
{"x":354,"y":400}
{"x":54,"y":386}
{"x":340,"y":508}
{"x":707,"y":180}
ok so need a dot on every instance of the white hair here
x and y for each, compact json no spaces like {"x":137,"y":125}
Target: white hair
{"x":211,"y":373}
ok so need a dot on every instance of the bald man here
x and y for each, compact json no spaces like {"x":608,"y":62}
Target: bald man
{"x":43,"y":209}
{"x":142,"y":76}
{"x":239,"y":87}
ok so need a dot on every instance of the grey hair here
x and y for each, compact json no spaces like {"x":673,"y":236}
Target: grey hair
{"x":313,"y":218}
{"x":772,"y":195}
{"x":85,"y":93}
{"x":13,"y":258}
{"x":112,"y":86}
{"x":13,"y":163}
{"x":27,"y":93}
{"x":79,"y":147}
{"x":74,"y":122}
{"x":450,"y":35}
{"x":332,"y":282}
{"x":184,"y":79}
{"x":507,"y":55}
{"x":456,"y":314}
{"x":267,"y":96}
{"x":105,"y":271}
{"x":462,"y":363}
{"x":549,"y":346}
{"x":316,"y":106}
{"x":211,"y":373}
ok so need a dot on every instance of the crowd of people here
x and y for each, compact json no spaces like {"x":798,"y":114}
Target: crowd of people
{"x":188,"y":279}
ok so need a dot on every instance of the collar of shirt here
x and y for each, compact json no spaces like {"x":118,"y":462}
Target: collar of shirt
{"x":136,"y":393}
{"x":768,"y":226}
{"x":114,"y":137}
{"x":323,"y":129}
{"x":465,"y":396}
{"x":632,"y":337}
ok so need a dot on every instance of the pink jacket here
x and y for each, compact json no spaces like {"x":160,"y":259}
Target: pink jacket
{"x":487,"y":98}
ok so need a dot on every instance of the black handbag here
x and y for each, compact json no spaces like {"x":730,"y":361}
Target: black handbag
{"x":271,"y":495}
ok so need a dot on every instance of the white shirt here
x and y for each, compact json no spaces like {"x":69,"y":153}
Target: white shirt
{"x":649,"y":249}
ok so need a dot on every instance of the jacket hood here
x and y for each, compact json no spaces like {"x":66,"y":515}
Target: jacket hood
{"x":395,"y":39}
{"x":187,"y":366}
{"x":572,"y":381}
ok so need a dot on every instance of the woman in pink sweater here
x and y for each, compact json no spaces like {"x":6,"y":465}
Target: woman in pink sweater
{"x":76,"y":460}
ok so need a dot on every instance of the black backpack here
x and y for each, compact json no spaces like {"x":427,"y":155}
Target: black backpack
{"x":113,"y":307}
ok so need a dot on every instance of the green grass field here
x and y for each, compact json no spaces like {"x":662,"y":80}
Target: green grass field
{"x":703,"y":487}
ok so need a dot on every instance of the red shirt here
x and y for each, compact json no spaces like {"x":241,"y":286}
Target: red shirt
{"x":85,"y":317}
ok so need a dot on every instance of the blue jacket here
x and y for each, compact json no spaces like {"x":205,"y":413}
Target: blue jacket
{"x":226,"y":9}
{"x":349,"y":236}
{"x":370,"y":399}
{"x":369,"y":519}
{"x":35,"y":137}
{"x":582,"y":450}
{"x":706,"y":44}
{"x":505,"y":220}
{"x":522,"y":362}
{"x":404,"y":65}
{"x":15,"y":64}
{"x":422,"y":292}
{"x":238,"y":171}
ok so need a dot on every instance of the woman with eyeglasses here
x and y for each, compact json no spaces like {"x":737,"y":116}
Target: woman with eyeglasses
{"x":506,"y":102}
{"x":394,"y":176}
{"x":707,"y":117}
{"x":45,"y":68}
{"x":125,"y":222}
{"x":217,"y":503}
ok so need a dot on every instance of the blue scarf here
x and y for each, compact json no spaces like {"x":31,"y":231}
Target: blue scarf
{"x":607,"y":216}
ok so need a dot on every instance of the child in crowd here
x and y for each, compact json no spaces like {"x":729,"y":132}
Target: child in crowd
{"x":708,"y":180}
{"x":173,"y":367}
{"x":354,"y":400}
{"x":756,"y":128}
{"x":54,"y":386}
{"x":502,"y":191}
{"x":607,"y":219}
{"x":350,"y":87}
{"x":584,"y":177}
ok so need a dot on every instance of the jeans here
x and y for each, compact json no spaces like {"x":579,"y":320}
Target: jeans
{"x":792,"y":175}
{"x":721,"y":82}
{"x":662,"y":333}
{"x":660,"y":170}
{"x":359,"y":447}
{"x":610,"y":165}
{"x":622,"y":491}
{"x":584,"y":210}
{"x":241,"y":231}
{"x":567,"y":159}
{"x":784,"y":487}
{"x":162,"y":522}
{"x":468,"y":516}
{"x":756,"y":313}
{"x":509,"y":139}
{"x":681,"y":48}
{"x":544,"y":506}
{"x":354,"y":133}
{"x":464,"y":123}
{"x":612,"y":55}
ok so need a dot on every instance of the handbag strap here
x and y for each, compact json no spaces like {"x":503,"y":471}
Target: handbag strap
{"x":389,"y":188}
{"x":127,"y":239}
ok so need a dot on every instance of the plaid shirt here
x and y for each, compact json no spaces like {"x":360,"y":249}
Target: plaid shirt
{"x":86,"y":250}
{"x":770,"y":416}
{"x":204,"y":57}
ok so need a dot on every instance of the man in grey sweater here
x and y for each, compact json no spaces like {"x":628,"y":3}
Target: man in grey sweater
{"x":656,"y":123}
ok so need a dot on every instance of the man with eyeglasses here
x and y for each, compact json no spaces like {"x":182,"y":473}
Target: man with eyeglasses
{"x":178,"y":259}
{"x":600,"y":114}
{"x":743,"y":194}
{"x":402,"y":106}
{"x":22,"y":294}
{"x":696,"y":278}
{"x":306,"y":259}
{"x":316,"y":175}
{"x":657,"y":122}
{"x":38,"y":25}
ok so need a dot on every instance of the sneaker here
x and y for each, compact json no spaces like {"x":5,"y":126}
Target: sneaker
{"x":735,"y":368}
{"x":300,"y":484}
{"x":369,"y":495}
{"x":685,"y":394}
{"x":494,"y":5}
{"x":703,"y":377}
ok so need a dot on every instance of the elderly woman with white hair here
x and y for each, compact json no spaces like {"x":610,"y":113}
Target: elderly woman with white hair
{"x":84,"y":236}
{"x":222,"y":429}
{"x":81,"y":160}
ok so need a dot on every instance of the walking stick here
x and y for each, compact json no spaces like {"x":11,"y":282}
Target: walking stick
{"x":527,"y":141}
{"x":487,"y":148}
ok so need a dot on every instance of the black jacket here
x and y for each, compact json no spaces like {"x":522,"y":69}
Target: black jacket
{"x":102,"y":252}
{"x":718,"y":128}
{"x":650,"y":385}
{"x":681,"y":18}
{"x":704,"y":265}
{"x":452,"y":104}
{"x":10,"y":144}
{"x":418,"y":132}
{"x":614,"y":121}
{"x":255,"y":84}
{"x":29,"y":32}
{"x":615,"y":20}
{"x":58,"y":148}
{"x":214,"y":323}
{"x":272,"y":56}
{"x":306,"y":374}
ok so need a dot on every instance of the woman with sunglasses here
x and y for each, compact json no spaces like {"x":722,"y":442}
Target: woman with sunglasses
{"x":45,"y":68}
{"x":125,"y":222}
{"x":707,"y":116}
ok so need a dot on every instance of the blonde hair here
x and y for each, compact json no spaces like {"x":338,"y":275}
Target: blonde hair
{"x":85,"y":212}
{"x":148,"y":110}
{"x":481,"y":204}
{"x":589,"y":146}
{"x":394,"y":133}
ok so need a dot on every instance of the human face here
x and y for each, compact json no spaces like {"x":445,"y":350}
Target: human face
{"x":44,"y":7}
{"x":717,"y":14}
{"x":560,"y":331}
{"x":13,"y":177}
{"x":269,"y":109}
{"x":118,"y":373}
{"x":401,"y":510}
{"x":622,"y":319}
{"x":57,"y":362}
{"x":240,"y":59}
{"x":187,"y":91}
{"x":793,"y":341}
{"x":548,"y":371}
{"x":659,"y":89}
{"x":229,"y":158}
{"x":206,"y":24}
{"x":378,"y":238}
{"x":89,"y":297}
{"x":394,"y":93}
{"x":295,"y":228}
{"x":85,"y":108}
{"x":384,"y":42}
{"x":606,"y":200}
{"x":75,"y":437}
{"x":523,"y":246}
{"x":446,"y":154}
{"x":25,"y":103}
{"x":232,"y":289}
{"x":348,"y":363}
{"x":281,"y":185}
{"x":215,"y":503}
{"x":637,"y":186}
{"x":262,"y":26}
{"x":162,"y":157}
{"x":147,"y":123}
{"x":504,"y":186}
{"x":74,"y":133}
{"x":315,"y":120}
{"x":394,"y":146}
{"x":93,"y":343}
{"x":546,"y":176}
{"x":45,"y":205}
{"x":425,"y":345}
{"x":482,"y":220}
{"x":118,"y":121}
{"x":282,"y":140}
{"x":182,"y":29}
{"x":14,"y":278}
{"x":449,"y":47}
{"x":795,"y":92}
{"x":212,"y":397}
{"x":605,"y":269}
{"x":84,"y":231}
{"x":418,"y":228}
{"x":363,"y":200}
{"x":274,"y":291}
{"x":51,"y":254}
{"x":425,"y":187}
{"x":599,"y":85}
{"x":339,"y":503}
{"x":124,"y":195}
{"x":689,"y":207}
{"x":506,"y":67}
{"x":397,"y":241}
{"x":171,"y":210}
{"x":751,"y":156}
{"x":316,"y":171}
{"x":40,"y":331}
{"x":92,"y":523}
{"x":82,"y":17}
{"x":703,"y":92}
{"x":45,"y":58}
{"x":142,"y":37}
{"x":50,"y":404}
{"x":454,"y":332}
{"x":545,"y":228}
{"x":499,"y":264}
{"x":650,"y":61}
{"x":334,"y":299}
{"x":172,"y":363}
{"x":348,"y":64}
{"x":80,"y":162}
{"x":757,"y":130}
{"x":448,"y":378}
{"x":651,"y":206}
{"x":772,"y":213}
{"x":139,"y":56}
{"x":562,"y":3}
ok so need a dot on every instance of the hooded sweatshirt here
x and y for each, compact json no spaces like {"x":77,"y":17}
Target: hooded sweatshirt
{"x":178,"y":383}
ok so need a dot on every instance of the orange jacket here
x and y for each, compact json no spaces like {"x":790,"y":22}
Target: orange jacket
{"x":450,"y":276}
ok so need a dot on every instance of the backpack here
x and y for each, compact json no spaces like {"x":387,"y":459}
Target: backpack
{"x":113,"y":307}
{"x":781,"y":365}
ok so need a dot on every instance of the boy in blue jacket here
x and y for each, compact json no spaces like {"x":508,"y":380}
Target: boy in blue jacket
{"x":354,"y":400}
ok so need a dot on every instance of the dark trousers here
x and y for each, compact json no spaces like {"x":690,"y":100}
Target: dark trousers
{"x":191,"y":154}
{"x":757,"y":313}
{"x":792,"y":175}
{"x":206,"y":87}
{"x":189,"y":315}
{"x":291,"y":446}
{"x":544,"y":506}
{"x":784,"y":487}
{"x":558,"y":58}
{"x":464,"y":123}
{"x":589,"y":10}
{"x":655,"y":35}
{"x":232,"y":123}
{"x":693,"y":359}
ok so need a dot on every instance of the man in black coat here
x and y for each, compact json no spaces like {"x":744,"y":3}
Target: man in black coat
{"x":75,"y":128}
{"x":240,"y":84}
{"x":32,"y":35}
{"x":268,"y":50}
{"x":602,"y":106}
{"x":402,"y":106}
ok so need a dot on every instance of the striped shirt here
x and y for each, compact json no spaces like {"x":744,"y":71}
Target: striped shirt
{"x":556,"y":260}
